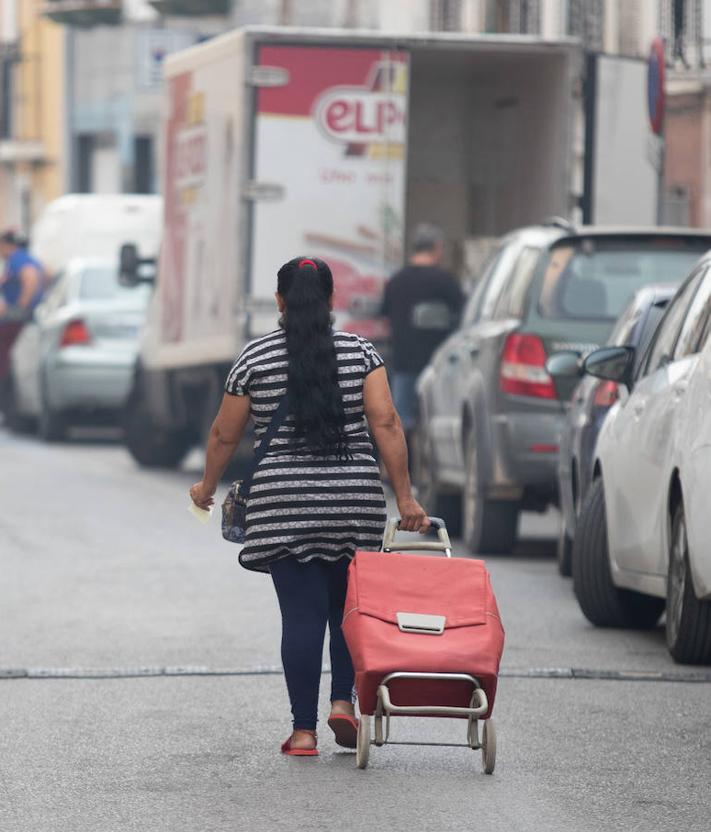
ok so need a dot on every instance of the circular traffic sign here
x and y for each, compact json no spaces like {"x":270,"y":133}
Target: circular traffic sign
{"x":655,"y":86}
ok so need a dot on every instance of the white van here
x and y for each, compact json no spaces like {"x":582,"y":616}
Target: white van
{"x":95,"y":225}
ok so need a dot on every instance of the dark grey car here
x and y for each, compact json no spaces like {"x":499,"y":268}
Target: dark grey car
{"x":490,"y":415}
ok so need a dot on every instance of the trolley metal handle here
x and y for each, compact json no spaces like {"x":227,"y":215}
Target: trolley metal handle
{"x":443,"y":543}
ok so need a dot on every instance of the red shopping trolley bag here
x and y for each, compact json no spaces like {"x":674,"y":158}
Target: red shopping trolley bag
{"x":422,"y":614}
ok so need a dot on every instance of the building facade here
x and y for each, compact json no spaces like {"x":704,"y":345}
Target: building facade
{"x":32,"y":112}
{"x":115,"y":105}
{"x":688,"y":150}
{"x":616,"y":26}
{"x":80,"y":80}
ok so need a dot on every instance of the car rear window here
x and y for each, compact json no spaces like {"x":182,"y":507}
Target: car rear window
{"x":594,"y":279}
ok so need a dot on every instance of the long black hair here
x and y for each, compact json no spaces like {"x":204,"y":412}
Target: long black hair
{"x":315,"y":400}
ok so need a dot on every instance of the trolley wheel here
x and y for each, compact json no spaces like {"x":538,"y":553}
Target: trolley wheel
{"x":363,"y":744}
{"x":379,"y":736}
{"x":488,"y":746}
{"x":473,"y":734}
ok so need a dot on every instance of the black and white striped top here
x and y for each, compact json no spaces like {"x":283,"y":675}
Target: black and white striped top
{"x":301,"y":504}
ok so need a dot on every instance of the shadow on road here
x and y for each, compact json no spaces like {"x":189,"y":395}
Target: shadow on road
{"x":650,"y":642}
{"x":535,"y":548}
{"x":101,"y":436}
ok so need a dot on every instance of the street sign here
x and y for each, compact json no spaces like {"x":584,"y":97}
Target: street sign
{"x":655,"y":86}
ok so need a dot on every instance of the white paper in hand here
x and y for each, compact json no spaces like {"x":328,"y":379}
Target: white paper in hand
{"x":202,"y":515}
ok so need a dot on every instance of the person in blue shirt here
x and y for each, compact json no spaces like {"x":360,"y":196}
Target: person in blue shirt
{"x":22,"y":283}
{"x":21,"y":288}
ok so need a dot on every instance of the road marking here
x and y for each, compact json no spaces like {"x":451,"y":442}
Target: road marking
{"x":571,"y":673}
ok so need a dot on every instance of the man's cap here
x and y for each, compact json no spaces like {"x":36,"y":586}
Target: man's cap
{"x":426,"y":236}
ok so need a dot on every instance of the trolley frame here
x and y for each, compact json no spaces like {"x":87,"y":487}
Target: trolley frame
{"x":385,"y":709}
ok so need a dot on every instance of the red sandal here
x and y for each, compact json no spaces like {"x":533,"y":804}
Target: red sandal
{"x":299,"y":752}
{"x":345,"y":727}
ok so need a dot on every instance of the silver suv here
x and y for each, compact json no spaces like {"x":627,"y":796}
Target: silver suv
{"x":490,"y":415}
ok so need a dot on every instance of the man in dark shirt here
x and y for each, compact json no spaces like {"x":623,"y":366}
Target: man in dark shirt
{"x":423,"y":303}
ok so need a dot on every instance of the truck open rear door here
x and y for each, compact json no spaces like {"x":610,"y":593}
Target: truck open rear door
{"x":620,"y":170}
{"x":328,"y":176}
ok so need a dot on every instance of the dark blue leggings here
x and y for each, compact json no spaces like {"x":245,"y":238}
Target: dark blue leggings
{"x":312,"y":595}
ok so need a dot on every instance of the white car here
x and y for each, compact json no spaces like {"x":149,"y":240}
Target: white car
{"x":644,"y":537}
{"x":74,"y":361}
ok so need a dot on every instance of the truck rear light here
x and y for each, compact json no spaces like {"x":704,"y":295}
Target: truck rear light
{"x":606,"y":394}
{"x":76,"y":333}
{"x":523,"y":371}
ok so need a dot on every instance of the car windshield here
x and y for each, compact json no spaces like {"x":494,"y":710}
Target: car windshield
{"x":594,"y":279}
{"x":102,"y":283}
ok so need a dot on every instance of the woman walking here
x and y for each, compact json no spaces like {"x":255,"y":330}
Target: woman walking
{"x":316,"y":496}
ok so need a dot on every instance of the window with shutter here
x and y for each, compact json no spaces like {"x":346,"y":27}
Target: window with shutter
{"x":446,"y":15}
{"x":586,"y":20}
{"x":681,"y":24}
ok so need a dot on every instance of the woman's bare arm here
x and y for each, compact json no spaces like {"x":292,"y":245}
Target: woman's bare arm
{"x":387,"y":431}
{"x":225,"y":435}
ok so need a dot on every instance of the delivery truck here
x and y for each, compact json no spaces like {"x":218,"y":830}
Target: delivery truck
{"x":280,"y":142}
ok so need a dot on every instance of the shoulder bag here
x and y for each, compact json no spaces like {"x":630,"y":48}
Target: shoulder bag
{"x":234,"y":507}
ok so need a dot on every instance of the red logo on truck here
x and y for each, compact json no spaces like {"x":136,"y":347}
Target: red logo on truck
{"x":371,"y":114}
{"x":354,"y":116}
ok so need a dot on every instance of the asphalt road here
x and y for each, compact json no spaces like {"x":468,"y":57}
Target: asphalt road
{"x":140,"y":686}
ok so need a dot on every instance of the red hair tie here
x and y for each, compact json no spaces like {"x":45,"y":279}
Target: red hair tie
{"x":303,"y":263}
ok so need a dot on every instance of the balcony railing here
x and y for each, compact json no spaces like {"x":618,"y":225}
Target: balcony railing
{"x":681,"y":24}
{"x":586,"y":20}
{"x":514,"y":17}
{"x":192,"y":8}
{"x":83,"y":13}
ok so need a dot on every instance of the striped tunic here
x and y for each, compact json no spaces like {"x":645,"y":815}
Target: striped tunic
{"x":301,"y":504}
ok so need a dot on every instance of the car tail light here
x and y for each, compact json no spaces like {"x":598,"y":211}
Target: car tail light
{"x":523,"y":367}
{"x":76,"y":333}
{"x":606,"y":394}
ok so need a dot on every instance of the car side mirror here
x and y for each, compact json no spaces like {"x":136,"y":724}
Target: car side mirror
{"x":134,"y":270}
{"x":128,"y":264}
{"x":611,"y":364}
{"x":564,"y":364}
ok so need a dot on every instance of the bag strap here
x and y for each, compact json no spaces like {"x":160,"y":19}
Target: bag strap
{"x":277,"y":420}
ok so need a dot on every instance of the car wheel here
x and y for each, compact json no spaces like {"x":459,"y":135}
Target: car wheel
{"x":15,"y":420}
{"x":688,"y":620}
{"x":489,"y":526}
{"x":429,"y":494}
{"x":51,"y":423}
{"x":602,"y":603}
{"x":150,"y":446}
{"x":564,"y":551}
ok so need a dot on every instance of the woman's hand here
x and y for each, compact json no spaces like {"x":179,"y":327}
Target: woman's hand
{"x":413,"y":518}
{"x":202,"y":495}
